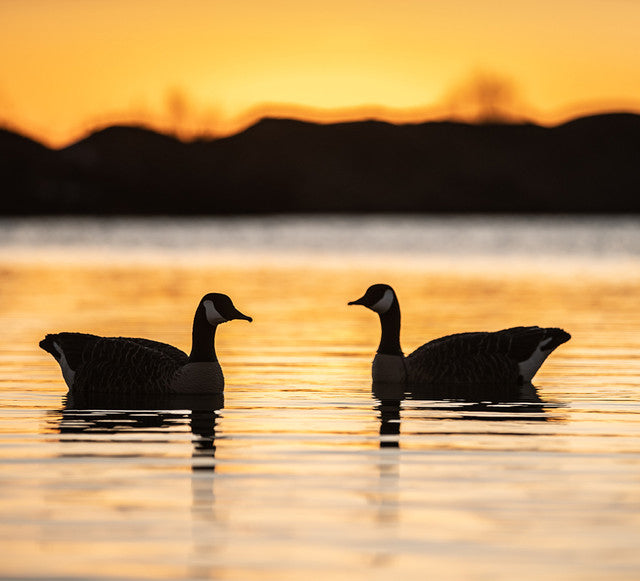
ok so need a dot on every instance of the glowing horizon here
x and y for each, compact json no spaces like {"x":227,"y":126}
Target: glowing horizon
{"x":207,"y":68}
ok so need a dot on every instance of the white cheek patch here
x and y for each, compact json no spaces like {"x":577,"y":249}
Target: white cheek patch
{"x":213,"y":316}
{"x":384,"y":304}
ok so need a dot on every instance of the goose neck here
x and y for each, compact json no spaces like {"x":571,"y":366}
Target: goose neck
{"x":390,"y":327}
{"x":203,"y":338}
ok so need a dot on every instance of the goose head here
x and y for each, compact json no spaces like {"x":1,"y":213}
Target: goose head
{"x":219,"y":308}
{"x":378,"y":298}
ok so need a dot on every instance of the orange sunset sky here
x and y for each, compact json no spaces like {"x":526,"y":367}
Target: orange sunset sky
{"x":210,"y":67}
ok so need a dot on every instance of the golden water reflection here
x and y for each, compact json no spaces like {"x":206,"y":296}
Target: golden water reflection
{"x":304,"y":468}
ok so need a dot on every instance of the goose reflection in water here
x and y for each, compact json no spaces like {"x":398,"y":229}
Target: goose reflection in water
{"x":105,"y":418}
{"x":480,"y":402}
{"x":107,"y":414}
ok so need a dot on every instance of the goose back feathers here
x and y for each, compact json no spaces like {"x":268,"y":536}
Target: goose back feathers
{"x":94,"y":364}
{"x":510,"y":356}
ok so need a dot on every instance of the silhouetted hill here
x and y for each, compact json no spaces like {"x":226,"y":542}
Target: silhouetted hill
{"x":281,"y":165}
{"x":22,"y":163}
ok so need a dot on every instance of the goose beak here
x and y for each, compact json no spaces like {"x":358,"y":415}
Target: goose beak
{"x":360,"y":301}
{"x":238,"y":315}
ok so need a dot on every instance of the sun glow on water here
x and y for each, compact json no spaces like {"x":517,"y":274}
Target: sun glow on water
{"x":305,"y":467}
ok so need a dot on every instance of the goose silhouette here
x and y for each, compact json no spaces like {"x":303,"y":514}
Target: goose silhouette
{"x":511,"y":356}
{"x":136,"y":366}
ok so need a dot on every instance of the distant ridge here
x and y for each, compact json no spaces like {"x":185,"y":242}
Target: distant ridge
{"x":587,"y":165}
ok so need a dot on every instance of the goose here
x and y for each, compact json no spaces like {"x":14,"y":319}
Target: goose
{"x":119,"y":365}
{"x":510,"y":357}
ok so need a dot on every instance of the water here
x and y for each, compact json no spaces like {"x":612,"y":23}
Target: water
{"x":302,"y":472}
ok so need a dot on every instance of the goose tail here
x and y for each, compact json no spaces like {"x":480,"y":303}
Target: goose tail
{"x":554,"y":337}
{"x":551,"y":338}
{"x":47,"y":344}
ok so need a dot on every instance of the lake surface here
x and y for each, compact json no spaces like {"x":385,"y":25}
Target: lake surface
{"x":302,"y":472}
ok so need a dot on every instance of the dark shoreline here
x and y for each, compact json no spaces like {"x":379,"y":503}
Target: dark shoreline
{"x":281,"y":166}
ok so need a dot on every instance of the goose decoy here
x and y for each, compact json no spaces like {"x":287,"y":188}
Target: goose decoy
{"x":511,"y":356}
{"x":118,"y":365}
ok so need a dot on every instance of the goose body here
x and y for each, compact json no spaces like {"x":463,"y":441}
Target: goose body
{"x":136,"y":366}
{"x":511,"y":356}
